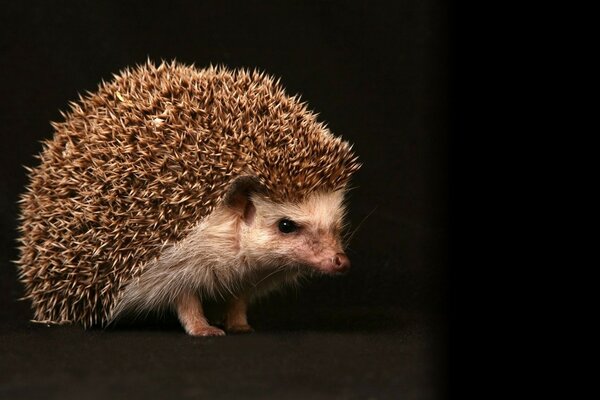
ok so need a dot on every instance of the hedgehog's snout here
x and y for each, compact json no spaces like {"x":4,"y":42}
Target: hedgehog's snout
{"x":341,"y":263}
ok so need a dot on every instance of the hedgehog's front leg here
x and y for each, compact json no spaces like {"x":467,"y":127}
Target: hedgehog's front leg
{"x":236,"y":320}
{"x":191,"y":316}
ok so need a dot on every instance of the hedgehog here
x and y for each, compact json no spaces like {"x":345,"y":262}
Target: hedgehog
{"x":171,"y":186}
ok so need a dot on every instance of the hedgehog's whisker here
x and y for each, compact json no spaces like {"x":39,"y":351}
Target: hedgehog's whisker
{"x":277,"y":270}
{"x":348,"y":237}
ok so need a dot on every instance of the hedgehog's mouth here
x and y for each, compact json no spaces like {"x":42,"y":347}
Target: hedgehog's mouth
{"x":339,"y":264}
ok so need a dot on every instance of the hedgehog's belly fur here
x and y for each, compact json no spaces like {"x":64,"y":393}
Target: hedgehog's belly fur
{"x":207,"y":262}
{"x":160,"y":286}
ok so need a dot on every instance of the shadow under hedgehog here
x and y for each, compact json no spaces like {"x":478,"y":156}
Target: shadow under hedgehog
{"x":171,"y":185}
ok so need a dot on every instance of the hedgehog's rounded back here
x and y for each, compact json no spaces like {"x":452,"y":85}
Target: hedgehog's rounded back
{"x":143,"y":159}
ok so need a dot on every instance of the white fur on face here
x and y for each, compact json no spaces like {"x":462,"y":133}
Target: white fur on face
{"x":320,"y":221}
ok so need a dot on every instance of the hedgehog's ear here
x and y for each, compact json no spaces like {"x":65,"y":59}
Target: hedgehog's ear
{"x":238,"y":198}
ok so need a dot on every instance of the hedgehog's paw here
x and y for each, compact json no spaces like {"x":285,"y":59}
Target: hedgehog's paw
{"x":244,"y":328}
{"x":205,"y":331}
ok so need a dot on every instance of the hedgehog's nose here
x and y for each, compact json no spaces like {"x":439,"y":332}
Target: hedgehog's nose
{"x":341,"y":262}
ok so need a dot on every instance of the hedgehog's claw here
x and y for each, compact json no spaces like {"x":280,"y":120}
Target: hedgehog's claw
{"x":206,"y":331}
{"x":235,"y":329}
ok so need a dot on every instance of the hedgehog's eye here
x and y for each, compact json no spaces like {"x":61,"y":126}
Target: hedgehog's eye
{"x":287,"y":225}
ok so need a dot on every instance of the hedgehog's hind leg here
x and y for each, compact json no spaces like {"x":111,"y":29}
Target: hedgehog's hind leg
{"x":191,"y":316}
{"x":236,"y":320}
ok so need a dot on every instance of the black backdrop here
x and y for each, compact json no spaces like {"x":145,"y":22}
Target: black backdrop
{"x":376,"y":72}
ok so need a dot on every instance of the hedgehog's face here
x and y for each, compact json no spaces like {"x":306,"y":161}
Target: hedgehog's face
{"x":307,"y":233}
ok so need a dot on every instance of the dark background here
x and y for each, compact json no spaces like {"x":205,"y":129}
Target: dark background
{"x":379,"y":74}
